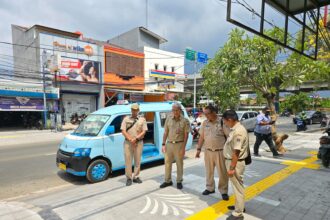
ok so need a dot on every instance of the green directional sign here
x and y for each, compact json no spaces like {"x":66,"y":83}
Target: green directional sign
{"x":190,"y":54}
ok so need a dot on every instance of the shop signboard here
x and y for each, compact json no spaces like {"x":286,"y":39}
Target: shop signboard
{"x":21,"y":104}
{"x":136,"y":97}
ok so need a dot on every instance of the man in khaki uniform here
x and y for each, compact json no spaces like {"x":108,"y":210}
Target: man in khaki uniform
{"x":174,"y":144}
{"x":213,"y":135}
{"x":133,"y":128}
{"x":235,"y":151}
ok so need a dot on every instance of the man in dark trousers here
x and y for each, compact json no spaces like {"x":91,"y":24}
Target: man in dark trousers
{"x":263,"y":132}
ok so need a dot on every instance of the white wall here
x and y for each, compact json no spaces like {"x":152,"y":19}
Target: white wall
{"x":162,"y":58}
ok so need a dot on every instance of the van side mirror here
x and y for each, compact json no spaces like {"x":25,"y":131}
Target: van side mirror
{"x":110,"y":130}
{"x":243,"y":119}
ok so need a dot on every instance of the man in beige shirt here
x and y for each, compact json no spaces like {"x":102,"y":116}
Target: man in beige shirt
{"x":235,"y":152}
{"x":176,"y":131}
{"x":133,"y":128}
{"x":213,"y":134}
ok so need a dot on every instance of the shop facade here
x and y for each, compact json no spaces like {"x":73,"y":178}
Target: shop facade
{"x":22,"y":105}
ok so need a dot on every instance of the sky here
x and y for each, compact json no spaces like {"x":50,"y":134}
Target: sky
{"x":200,"y":25}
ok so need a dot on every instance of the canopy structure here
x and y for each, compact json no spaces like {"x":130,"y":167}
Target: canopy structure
{"x":298,"y":21}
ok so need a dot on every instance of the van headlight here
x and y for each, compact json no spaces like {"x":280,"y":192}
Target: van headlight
{"x":82,"y":152}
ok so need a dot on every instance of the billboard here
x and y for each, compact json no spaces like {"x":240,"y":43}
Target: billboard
{"x":71,"y":69}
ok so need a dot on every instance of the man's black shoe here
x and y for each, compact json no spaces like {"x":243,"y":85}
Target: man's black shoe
{"x":165,"y":184}
{"x":257,"y":155}
{"x":225,"y":197}
{"x":231,"y":207}
{"x":128,"y":182}
{"x":278,"y":155}
{"x":137,"y":180}
{"x":179,"y":185}
{"x":207,"y":192}
{"x":231,"y":217}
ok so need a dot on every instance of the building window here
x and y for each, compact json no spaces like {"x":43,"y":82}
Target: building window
{"x":165,"y":68}
{"x":156,"y":66}
{"x":173,"y":69}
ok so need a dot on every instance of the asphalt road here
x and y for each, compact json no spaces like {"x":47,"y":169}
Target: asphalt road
{"x":29,"y":165}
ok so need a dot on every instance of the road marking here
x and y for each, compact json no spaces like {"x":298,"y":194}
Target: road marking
{"x":50,"y":154}
{"x":167,"y":202}
{"x":267,"y":201}
{"x":10,"y":136}
{"x":220,"y":208}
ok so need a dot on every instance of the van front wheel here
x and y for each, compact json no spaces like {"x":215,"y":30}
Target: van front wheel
{"x":97,"y":171}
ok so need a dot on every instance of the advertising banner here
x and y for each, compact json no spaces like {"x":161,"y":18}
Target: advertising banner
{"x":71,"y":69}
{"x":21,"y":104}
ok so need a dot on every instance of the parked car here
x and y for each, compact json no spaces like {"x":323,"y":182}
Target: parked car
{"x":312,"y":117}
{"x":248,"y":119}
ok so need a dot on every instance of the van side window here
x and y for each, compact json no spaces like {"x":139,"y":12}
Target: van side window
{"x":117,"y":123}
{"x":163,"y":116}
{"x":251,"y":115}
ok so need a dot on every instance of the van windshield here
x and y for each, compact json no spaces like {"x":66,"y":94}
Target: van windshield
{"x":91,"y":125}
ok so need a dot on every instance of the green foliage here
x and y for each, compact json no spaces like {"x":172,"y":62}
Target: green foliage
{"x":297,"y":102}
{"x":325,"y":103}
{"x":252,"y":61}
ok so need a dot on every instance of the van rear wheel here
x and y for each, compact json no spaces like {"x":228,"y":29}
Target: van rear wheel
{"x":97,"y":171}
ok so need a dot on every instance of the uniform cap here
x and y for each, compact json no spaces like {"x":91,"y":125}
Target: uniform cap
{"x":135,"y":106}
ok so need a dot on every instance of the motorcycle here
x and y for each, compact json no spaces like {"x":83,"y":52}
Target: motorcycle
{"x":285,"y":113}
{"x":324,"y":150}
{"x":301,"y":125}
{"x":195,"y":130}
{"x":325,"y":122}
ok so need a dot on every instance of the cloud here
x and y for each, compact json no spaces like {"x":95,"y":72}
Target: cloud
{"x":198,"y":24}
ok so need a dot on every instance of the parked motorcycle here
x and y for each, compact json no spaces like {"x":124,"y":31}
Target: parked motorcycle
{"x":325,"y":122}
{"x":301,"y":125}
{"x":324,"y":150}
{"x":195,"y":130}
{"x":285,"y":113}
{"x":76,"y":120}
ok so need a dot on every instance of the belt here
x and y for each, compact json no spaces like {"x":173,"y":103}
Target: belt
{"x":214,"y":149}
{"x":237,"y":160}
{"x":174,"y":142}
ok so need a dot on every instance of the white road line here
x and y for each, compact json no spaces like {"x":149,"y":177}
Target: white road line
{"x":50,"y":154}
{"x":267,"y":201}
{"x":147,"y":206}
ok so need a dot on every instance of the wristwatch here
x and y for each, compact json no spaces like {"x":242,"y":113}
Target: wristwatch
{"x":231,"y":168}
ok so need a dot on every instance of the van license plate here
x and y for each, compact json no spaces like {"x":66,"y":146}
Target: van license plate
{"x":62,"y":166}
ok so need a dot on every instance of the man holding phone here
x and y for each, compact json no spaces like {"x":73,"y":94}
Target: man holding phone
{"x":263,"y":132}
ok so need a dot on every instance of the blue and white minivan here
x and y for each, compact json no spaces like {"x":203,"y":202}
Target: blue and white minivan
{"x":95,"y":148}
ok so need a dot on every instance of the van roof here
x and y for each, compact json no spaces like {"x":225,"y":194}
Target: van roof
{"x":144,"y":107}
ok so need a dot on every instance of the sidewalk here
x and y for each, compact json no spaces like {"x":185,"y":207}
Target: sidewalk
{"x":295,"y":187}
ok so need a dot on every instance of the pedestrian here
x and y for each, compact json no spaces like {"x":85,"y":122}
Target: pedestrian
{"x":213,"y":135}
{"x":263,"y":132}
{"x":174,"y":144}
{"x":133,"y":128}
{"x":235,"y":152}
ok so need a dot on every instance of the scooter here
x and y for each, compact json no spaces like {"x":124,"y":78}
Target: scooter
{"x":301,"y":125}
{"x":324,"y":150}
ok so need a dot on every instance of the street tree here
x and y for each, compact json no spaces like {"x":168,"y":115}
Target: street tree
{"x":252,"y":61}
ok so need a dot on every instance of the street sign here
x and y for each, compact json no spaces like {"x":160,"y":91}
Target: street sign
{"x":190,"y":54}
{"x":202,"y":57}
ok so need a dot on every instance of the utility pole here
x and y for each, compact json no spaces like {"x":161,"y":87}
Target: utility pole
{"x":195,"y":85}
{"x":44,"y":61}
{"x":147,"y":14}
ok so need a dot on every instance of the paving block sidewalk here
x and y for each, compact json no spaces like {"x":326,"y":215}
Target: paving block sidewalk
{"x":302,"y":194}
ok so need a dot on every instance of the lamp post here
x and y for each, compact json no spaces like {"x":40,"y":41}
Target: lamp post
{"x":44,"y":63}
